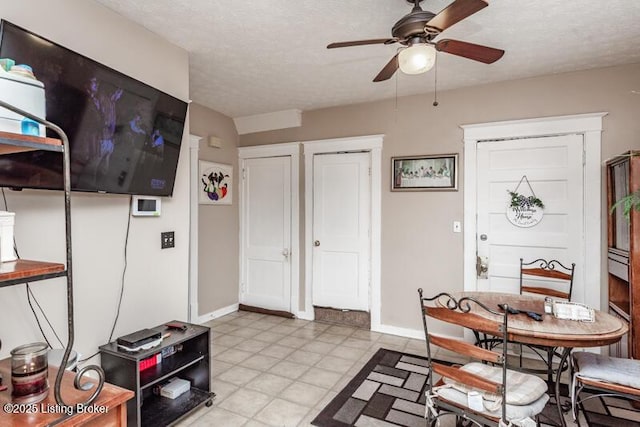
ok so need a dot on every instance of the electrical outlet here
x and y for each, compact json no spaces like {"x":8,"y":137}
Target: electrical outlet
{"x":457,"y":227}
{"x":167,"y":240}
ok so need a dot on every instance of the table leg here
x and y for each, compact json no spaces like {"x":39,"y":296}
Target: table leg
{"x":563,"y":360}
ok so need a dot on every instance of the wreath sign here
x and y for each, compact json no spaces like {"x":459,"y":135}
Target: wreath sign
{"x":524,"y":211}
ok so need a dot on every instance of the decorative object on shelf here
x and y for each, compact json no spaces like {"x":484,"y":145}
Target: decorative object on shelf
{"x":627,"y":204}
{"x":524,"y":211}
{"x":29,"y":373}
{"x":425,"y":173}
{"x":216,"y":180}
{"x":7,"y":220}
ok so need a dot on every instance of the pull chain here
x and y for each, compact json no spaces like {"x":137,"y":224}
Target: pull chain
{"x":435,"y":85}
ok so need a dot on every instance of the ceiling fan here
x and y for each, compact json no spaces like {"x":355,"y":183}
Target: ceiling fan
{"x":416,"y":31}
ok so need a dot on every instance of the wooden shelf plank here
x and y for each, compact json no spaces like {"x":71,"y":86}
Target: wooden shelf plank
{"x":22,"y":270}
{"x":16,"y":143}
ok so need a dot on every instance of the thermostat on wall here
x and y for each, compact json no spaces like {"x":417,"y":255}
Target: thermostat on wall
{"x":145,"y":206}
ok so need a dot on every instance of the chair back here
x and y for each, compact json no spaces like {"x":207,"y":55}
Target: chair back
{"x":546,"y":277}
{"x":464,"y":312}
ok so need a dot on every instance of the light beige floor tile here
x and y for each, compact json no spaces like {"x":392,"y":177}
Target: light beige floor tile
{"x":283,"y":329}
{"x":227,"y":340}
{"x":269,"y":383}
{"x":259,"y":362}
{"x":348,"y":353}
{"x":263,"y":325}
{"x":326,"y":399}
{"x":335,"y":364}
{"x":393,"y":340}
{"x":252,"y":345}
{"x":306,"y":333}
{"x":268,"y":336}
{"x":341,"y":383}
{"x":254,"y":423}
{"x":331,"y":338}
{"x":218,"y":367}
{"x":246,"y":402}
{"x":239,"y":375}
{"x":318,"y":347}
{"x":362,"y":334}
{"x":233,"y":356}
{"x":219,"y":417}
{"x":277,"y":351}
{"x":304,"y":357}
{"x":294,"y":342}
{"x":241,"y":321}
{"x":274,"y":319}
{"x":246,"y":332}
{"x":224,"y":328}
{"x":306,"y":421}
{"x":217,"y":349}
{"x":254,"y":316}
{"x":316,"y":326}
{"x":357,"y":343}
{"x":282,"y":413}
{"x":304,"y":394}
{"x":320,"y":377}
{"x":289,"y":369}
{"x":222,"y":390}
{"x":341,"y":330}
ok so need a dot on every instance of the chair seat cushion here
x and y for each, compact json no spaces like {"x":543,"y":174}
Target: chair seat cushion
{"x":514,"y":412}
{"x":522,"y":389}
{"x":610,"y":369}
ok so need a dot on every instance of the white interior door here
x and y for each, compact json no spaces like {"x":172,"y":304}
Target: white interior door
{"x":554,"y":168}
{"x":266,"y":233}
{"x":341,"y":230}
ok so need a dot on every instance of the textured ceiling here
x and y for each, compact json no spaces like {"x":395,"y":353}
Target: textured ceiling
{"x":259,"y":56}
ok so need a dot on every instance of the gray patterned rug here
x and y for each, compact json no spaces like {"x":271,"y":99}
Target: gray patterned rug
{"x":389,"y":391}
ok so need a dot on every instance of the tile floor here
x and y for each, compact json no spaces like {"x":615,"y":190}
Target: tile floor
{"x":272,"y":371}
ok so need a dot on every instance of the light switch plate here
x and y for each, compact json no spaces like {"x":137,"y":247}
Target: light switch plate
{"x":457,"y":227}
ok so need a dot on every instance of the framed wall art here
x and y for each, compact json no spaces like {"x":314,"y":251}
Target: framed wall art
{"x":216,"y":183}
{"x":425,"y":173}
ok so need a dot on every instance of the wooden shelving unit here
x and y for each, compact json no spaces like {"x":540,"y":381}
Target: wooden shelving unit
{"x":24,"y":271}
{"x":623,"y":260}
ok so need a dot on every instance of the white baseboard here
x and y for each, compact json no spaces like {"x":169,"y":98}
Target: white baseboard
{"x":217,"y":313}
{"x":396,"y":330}
{"x":305,"y":315}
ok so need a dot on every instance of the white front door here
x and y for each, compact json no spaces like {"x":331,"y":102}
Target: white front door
{"x":341,"y":230}
{"x":554,"y":168}
{"x":266,"y":233}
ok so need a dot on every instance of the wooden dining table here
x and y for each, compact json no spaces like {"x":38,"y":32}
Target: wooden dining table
{"x":551,"y":331}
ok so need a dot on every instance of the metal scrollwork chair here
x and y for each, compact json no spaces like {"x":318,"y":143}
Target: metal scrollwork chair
{"x":603,"y":376}
{"x":552,"y":279}
{"x":483,"y":393}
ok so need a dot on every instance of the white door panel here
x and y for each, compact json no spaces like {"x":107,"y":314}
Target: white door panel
{"x":341,"y":216}
{"x":553,"y":166}
{"x":266,"y":270}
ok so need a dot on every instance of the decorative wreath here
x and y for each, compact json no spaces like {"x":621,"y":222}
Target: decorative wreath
{"x":520,"y":201}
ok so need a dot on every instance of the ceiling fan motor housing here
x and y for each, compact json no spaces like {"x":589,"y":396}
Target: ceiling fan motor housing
{"x":412,"y":25}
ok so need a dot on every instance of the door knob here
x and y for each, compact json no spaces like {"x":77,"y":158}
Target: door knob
{"x":482,"y":267}
{"x":285,"y":252}
{"x":316,"y":243}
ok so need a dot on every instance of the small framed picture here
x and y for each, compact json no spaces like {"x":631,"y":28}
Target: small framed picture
{"x":216,"y":183}
{"x":425,"y":173}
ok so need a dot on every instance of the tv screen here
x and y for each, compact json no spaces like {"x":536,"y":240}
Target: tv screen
{"x":124,"y":135}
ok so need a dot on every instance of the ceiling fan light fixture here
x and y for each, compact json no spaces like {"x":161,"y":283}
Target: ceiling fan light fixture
{"x":417,"y":58}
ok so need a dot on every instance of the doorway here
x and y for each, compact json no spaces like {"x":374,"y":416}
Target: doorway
{"x":342,"y":225}
{"x":568,"y":130}
{"x":269,"y":248}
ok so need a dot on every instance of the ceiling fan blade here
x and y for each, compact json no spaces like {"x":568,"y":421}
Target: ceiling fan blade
{"x":456,"y":12}
{"x":485,"y":54}
{"x":361,"y":42}
{"x":388,"y":70}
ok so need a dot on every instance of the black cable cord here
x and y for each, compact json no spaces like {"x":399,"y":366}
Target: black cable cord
{"x":124,"y":271}
{"x":30,"y":293}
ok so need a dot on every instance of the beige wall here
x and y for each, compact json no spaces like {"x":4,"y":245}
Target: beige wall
{"x":218,"y":227}
{"x":156,"y":283}
{"x":418,"y":245}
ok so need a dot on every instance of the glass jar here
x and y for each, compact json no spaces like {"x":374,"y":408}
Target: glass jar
{"x":29,"y":373}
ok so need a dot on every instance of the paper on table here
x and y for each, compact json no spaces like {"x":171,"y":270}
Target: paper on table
{"x":573,"y":311}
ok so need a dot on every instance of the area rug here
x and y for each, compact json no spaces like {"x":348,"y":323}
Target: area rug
{"x":389,"y":390}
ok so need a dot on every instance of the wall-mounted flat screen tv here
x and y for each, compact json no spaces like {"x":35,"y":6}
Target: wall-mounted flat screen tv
{"x":124,"y":135}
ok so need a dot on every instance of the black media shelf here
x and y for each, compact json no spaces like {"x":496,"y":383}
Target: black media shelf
{"x":160,"y":411}
{"x":189,"y":360}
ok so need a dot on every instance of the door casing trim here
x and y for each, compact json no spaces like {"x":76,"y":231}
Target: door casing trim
{"x":372,"y":144}
{"x":590,"y":126}
{"x":288,"y":149}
